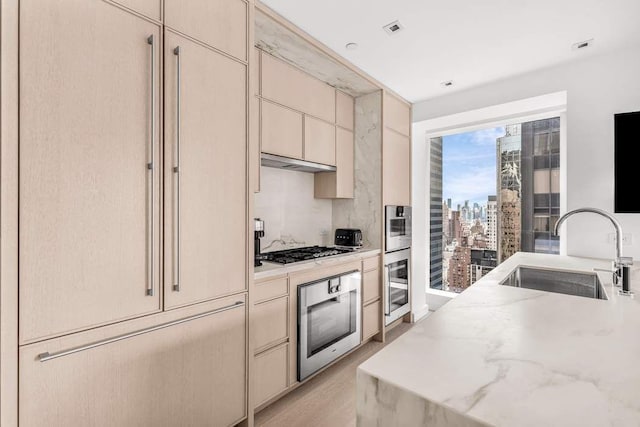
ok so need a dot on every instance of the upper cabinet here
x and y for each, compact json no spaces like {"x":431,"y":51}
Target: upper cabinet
{"x":338,"y":184}
{"x":396,"y":151}
{"x":149,"y":8}
{"x":396,"y":114}
{"x":221,"y":24}
{"x":319,"y":141}
{"x":280,"y":130}
{"x":205,"y":173}
{"x":287,"y":85}
{"x":90,"y":147}
{"x":344,"y":110}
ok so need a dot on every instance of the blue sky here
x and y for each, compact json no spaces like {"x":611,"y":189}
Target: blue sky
{"x":469,"y":166}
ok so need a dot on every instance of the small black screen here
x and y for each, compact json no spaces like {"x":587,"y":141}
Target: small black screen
{"x":627,"y":140}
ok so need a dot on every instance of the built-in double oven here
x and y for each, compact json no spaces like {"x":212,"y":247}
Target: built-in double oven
{"x":328,"y":320}
{"x":397,"y":262}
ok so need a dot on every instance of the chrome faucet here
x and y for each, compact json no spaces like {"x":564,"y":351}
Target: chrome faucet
{"x":621,"y":264}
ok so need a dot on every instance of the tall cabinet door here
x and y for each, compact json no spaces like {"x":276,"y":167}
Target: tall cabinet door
{"x":205,"y":173}
{"x":89,"y":202}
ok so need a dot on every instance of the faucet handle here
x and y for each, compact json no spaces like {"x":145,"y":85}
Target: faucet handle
{"x":623,"y":261}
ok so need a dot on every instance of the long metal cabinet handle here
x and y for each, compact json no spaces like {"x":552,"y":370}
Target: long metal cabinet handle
{"x":176,"y":171}
{"x":387,"y":291}
{"x":152,"y":142}
{"x":49,"y":356}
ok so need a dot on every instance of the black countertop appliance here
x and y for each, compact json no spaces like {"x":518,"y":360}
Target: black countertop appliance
{"x":348,"y":237}
{"x":257,"y":234}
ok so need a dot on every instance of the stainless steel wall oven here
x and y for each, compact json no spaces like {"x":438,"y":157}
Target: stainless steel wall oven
{"x":328,"y":320}
{"x":397,"y":281}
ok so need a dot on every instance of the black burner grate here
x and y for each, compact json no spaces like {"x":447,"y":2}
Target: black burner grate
{"x":289,"y":256}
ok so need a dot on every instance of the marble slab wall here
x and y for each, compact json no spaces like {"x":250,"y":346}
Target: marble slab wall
{"x":292,"y":216}
{"x":364,"y":211}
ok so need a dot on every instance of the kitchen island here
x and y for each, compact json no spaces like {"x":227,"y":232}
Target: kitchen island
{"x":504,"y":356}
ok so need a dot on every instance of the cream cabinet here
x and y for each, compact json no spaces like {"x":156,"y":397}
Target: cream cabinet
{"x":396,"y":168}
{"x":89,"y":167}
{"x":221,"y":24}
{"x":280,"y":130}
{"x":319,"y":141}
{"x":339,"y":184}
{"x":396,"y":114}
{"x":345,"y":106}
{"x":150,"y":8}
{"x":396,"y":151}
{"x":287,"y":85}
{"x":271,"y":370}
{"x":188,"y":371}
{"x":371,"y":319}
{"x":205,"y":173}
{"x":270,"y":333}
{"x":371,"y":297}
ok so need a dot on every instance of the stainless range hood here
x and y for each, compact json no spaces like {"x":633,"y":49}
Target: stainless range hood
{"x":287,"y":163}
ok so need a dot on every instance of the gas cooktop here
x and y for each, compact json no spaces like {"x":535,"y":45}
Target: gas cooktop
{"x":289,"y":256}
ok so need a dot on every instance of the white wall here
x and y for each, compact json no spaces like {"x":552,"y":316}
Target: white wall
{"x":596,"y":88}
{"x":289,"y":211}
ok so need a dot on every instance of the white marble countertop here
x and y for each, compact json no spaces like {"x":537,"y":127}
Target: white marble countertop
{"x":505,"y":356}
{"x":270,"y":269}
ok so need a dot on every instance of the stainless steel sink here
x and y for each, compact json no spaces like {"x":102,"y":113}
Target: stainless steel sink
{"x":559,"y":281}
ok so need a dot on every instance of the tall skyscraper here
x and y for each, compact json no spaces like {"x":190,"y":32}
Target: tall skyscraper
{"x":509,"y":187}
{"x":435,"y":216}
{"x":540,"y":185}
{"x":492,"y":223}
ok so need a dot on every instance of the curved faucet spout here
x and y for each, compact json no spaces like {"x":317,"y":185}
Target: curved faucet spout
{"x":605,"y":214}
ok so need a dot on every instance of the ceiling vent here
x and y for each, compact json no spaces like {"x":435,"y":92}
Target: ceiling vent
{"x":393,"y":27}
{"x":582,"y":45}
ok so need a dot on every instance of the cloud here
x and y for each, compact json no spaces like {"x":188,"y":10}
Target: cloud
{"x":486,"y":137}
{"x":473,"y":184}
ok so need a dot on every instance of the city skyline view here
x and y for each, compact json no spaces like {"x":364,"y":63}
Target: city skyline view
{"x":469,"y":166}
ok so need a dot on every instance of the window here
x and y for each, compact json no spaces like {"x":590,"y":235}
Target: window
{"x":493,"y":192}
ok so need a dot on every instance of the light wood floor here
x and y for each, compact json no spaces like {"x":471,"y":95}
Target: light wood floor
{"x":329,"y":399}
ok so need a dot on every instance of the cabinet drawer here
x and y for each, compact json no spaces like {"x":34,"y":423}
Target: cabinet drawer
{"x":271,"y":289}
{"x":270,"y":322}
{"x":344,"y":110}
{"x":319,"y":141}
{"x":149,"y":379}
{"x":270,"y":373}
{"x":397,"y":114}
{"x":371,"y":263}
{"x":371,"y":316}
{"x":280,"y":130}
{"x":221,"y":24}
{"x":290,"y":86}
{"x":370,"y":285}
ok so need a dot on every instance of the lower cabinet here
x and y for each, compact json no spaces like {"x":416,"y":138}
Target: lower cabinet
{"x":270,"y":326}
{"x":188,"y":371}
{"x":271,"y":368}
{"x":371,"y":319}
{"x":371,"y":298}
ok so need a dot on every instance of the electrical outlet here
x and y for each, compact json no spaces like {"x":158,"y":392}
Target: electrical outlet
{"x":627,"y":238}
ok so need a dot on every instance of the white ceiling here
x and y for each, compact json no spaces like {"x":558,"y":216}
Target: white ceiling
{"x":471,"y":42}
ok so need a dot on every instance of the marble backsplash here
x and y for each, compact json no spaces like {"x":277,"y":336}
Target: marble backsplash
{"x":292,"y":216}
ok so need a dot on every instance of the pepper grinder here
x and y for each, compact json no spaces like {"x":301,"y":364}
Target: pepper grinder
{"x":257,"y":234}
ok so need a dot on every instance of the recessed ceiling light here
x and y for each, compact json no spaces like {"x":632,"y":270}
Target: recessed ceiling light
{"x":448,"y":83}
{"x":581,"y":45}
{"x":351,"y":46}
{"x":393,"y":27}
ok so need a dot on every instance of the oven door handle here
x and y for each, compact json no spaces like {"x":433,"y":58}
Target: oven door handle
{"x":387,"y":291}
